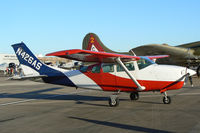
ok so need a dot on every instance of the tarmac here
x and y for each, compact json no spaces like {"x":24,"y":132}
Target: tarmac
{"x":35,"y":107}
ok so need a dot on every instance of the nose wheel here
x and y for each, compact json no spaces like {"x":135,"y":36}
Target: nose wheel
{"x":166,"y":99}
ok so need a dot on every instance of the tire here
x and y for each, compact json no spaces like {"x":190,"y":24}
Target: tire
{"x":134,"y":96}
{"x":166,"y":100}
{"x":114,"y":102}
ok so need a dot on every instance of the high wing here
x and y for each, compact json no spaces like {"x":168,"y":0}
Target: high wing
{"x":92,"y":56}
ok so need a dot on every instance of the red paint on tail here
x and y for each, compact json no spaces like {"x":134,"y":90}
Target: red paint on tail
{"x":94,"y":44}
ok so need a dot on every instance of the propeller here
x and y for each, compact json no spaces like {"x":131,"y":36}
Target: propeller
{"x":198,"y":71}
{"x":188,"y":67}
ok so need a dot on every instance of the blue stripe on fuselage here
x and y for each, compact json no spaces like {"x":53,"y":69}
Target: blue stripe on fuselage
{"x":59,"y":80}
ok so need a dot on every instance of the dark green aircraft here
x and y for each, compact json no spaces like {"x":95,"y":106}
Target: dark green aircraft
{"x":183,"y":55}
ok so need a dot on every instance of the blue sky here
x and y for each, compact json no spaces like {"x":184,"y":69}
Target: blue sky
{"x":52,"y":25}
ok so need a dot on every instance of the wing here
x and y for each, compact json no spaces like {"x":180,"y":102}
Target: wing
{"x":92,"y":56}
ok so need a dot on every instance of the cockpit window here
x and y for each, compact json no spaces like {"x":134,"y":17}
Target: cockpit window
{"x":108,"y":68}
{"x":129,"y":66}
{"x":144,"y":62}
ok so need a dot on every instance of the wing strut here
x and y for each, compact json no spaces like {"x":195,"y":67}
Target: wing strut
{"x":140,"y":88}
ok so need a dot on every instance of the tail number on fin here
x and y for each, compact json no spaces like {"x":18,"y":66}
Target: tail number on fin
{"x":36,"y":64}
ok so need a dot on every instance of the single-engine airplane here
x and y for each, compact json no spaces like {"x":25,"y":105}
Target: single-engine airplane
{"x":112,"y":72}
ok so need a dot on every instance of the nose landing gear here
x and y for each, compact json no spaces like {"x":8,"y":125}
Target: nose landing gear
{"x":114,"y":100}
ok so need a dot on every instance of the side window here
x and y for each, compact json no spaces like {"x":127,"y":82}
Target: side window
{"x":119,"y":68}
{"x":108,"y":68}
{"x":83,"y":69}
{"x":96,"y":69}
{"x":129,"y":66}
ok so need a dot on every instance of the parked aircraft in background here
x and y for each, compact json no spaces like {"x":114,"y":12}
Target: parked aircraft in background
{"x":187,"y":55}
{"x":112,"y":72}
{"x":3,"y":66}
{"x":70,"y":65}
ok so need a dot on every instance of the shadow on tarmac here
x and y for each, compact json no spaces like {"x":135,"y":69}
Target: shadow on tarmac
{"x":149,"y":102}
{"x":40,"y":94}
{"x":80,"y":99}
{"x":122,"y":126}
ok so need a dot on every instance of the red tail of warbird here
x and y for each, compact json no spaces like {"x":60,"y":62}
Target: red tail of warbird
{"x":113,"y":72}
{"x":92,"y":42}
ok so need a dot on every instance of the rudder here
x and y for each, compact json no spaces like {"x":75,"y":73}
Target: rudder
{"x":92,"y":42}
{"x":30,"y":61}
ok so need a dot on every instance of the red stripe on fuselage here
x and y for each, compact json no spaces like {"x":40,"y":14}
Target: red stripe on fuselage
{"x":110,"y":82}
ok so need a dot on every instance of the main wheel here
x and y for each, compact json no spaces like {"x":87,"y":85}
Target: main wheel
{"x":166,"y":100}
{"x":113,"y":102}
{"x":134,"y":96}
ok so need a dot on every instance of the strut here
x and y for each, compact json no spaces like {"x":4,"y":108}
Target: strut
{"x":140,"y":88}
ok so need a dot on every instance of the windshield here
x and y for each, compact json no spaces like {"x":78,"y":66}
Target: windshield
{"x":144,"y":62}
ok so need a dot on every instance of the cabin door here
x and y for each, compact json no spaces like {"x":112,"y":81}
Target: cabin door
{"x":108,"y":77}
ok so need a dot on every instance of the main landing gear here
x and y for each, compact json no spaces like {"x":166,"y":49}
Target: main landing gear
{"x":166,"y":99}
{"x":134,"y":96}
{"x":114,"y":100}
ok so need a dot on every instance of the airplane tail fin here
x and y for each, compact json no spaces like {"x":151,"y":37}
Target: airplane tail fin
{"x":92,"y":42}
{"x":30,"y":64}
{"x":34,"y":68}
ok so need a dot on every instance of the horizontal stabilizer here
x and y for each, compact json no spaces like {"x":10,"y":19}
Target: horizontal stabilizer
{"x":17,"y":77}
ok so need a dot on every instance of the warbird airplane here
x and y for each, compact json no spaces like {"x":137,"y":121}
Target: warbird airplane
{"x":113,"y":72}
{"x":182,"y":55}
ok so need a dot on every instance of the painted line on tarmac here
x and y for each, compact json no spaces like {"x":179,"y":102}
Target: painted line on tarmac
{"x":28,"y":100}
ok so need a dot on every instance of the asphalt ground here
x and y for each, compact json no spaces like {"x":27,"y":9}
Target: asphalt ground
{"x":34,"y":107}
